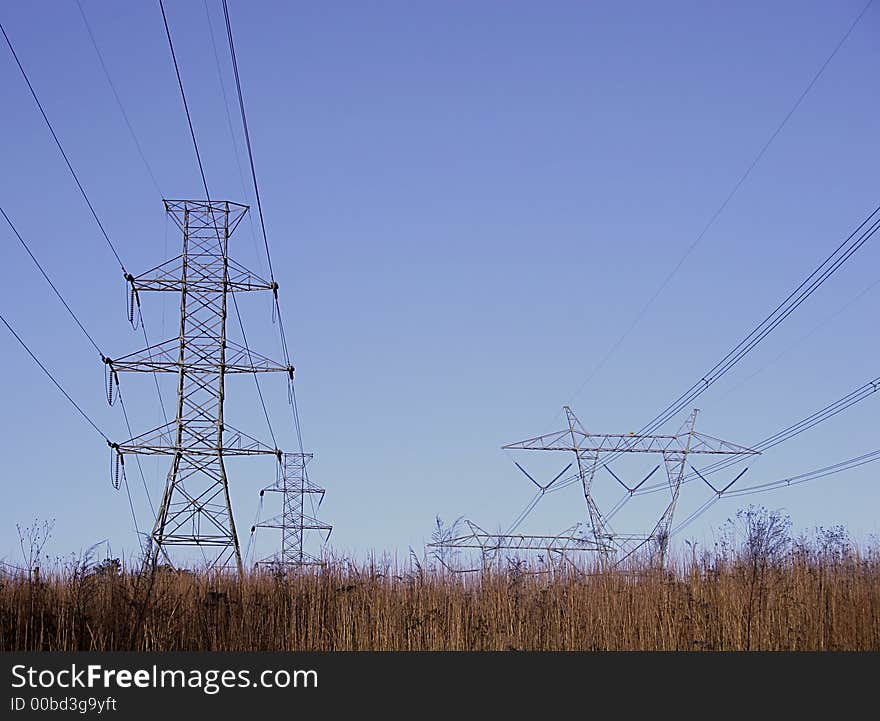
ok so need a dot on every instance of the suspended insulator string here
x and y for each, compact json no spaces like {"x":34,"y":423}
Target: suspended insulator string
{"x":254,"y":528}
{"x":109,"y":376}
{"x":54,"y":381}
{"x":132,"y":302}
{"x":772,"y":441}
{"x":116,"y":460}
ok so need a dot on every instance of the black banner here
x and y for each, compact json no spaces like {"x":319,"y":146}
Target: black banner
{"x":409,"y":684}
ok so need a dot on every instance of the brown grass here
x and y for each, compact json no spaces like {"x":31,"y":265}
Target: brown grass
{"x":805,"y":602}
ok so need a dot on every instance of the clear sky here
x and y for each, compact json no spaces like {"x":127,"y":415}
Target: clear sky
{"x":467,"y":204}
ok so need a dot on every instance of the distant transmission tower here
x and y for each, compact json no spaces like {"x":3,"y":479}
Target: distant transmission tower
{"x":591,"y":451}
{"x":294,"y":486}
{"x":196,"y":510}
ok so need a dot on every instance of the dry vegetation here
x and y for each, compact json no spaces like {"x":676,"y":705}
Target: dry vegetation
{"x":757,"y":589}
{"x":802,"y":602}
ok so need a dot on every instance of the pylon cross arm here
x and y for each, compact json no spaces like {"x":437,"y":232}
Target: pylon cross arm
{"x":628,"y":443}
{"x":169,"y":277}
{"x":165,"y":358}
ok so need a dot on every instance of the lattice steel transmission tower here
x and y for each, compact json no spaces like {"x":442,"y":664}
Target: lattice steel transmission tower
{"x":559,"y":546}
{"x":592,"y":450}
{"x":294,"y":485}
{"x":195,"y":510}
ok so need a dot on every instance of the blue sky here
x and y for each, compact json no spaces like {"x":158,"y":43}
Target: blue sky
{"x":467,"y":204}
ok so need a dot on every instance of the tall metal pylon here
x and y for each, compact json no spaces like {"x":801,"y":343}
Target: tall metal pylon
{"x":195,"y":510}
{"x":294,"y":485}
{"x":591,"y":448}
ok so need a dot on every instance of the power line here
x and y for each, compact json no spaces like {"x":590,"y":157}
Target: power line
{"x":61,"y":148}
{"x":846,"y":465}
{"x":763,"y":329}
{"x":208,"y":198}
{"x":852,"y":301}
{"x":251,"y":361}
{"x":816,"y":474}
{"x":137,"y":457}
{"x":247,"y":135}
{"x":725,"y":202}
{"x":100,"y":353}
{"x":51,"y":284}
{"x":103,"y":357}
{"x":85,"y":196}
{"x":801,"y":426}
{"x":189,"y":121}
{"x":795,"y":429}
{"x":823,"y":414}
{"x":866,"y":229}
{"x":808,"y":286}
{"x":118,"y":99}
{"x":238,"y":165}
{"x":695,"y":515}
{"x":55,"y":382}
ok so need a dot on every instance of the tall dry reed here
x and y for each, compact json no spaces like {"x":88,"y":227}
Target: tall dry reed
{"x":801,"y":602}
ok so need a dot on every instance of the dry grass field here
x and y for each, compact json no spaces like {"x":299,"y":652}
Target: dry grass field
{"x":807,"y":600}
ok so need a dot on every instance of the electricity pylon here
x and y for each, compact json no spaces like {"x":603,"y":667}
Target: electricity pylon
{"x":196,"y":510}
{"x":555,"y":547}
{"x":591,"y":448}
{"x":294,"y":486}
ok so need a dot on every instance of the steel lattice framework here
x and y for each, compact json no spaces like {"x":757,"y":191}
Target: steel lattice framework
{"x":195,"y":509}
{"x":294,"y":485}
{"x":571,"y":540}
{"x":590,"y":450}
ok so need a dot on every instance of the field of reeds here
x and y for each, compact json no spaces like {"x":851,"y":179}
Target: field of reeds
{"x":799,"y":601}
